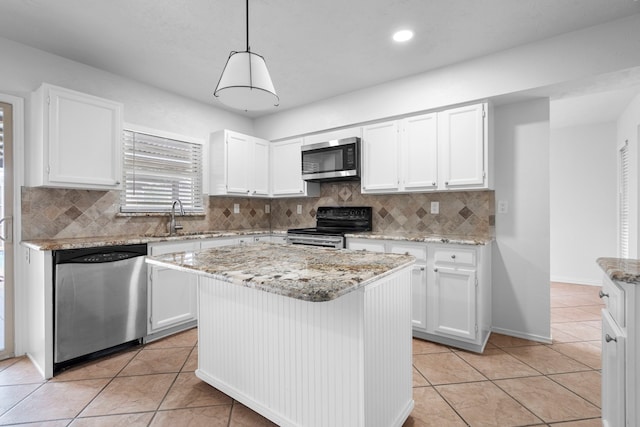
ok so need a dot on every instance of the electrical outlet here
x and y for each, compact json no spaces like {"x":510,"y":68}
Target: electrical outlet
{"x":299,"y":209}
{"x":236,"y":208}
{"x":435,"y":208}
{"x":267,"y":209}
{"x":503,"y":207}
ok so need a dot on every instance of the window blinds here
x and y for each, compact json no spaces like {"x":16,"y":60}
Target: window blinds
{"x":158,"y":171}
{"x":624,"y":202}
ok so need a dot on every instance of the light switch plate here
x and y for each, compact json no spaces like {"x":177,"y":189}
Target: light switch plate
{"x":299,"y":209}
{"x":267,"y":209}
{"x":236,"y":208}
{"x":435,"y":208}
{"x":503,"y":206}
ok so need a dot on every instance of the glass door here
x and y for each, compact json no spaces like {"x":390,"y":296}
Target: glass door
{"x":6,"y":231}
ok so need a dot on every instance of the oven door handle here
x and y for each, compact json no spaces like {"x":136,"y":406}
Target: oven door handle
{"x":315,"y":241}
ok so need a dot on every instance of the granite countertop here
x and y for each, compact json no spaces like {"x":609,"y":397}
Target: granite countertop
{"x":92,"y":242}
{"x":422,"y":237}
{"x":621,"y":269}
{"x":302,"y":272}
{"x":89,"y":242}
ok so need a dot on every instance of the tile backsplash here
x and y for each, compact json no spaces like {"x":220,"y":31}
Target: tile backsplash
{"x":49,"y":213}
{"x":462,"y":213}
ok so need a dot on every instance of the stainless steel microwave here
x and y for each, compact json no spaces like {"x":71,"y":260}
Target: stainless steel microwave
{"x":332,"y":160}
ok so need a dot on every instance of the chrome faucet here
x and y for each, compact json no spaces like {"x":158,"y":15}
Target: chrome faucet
{"x":173,"y":225}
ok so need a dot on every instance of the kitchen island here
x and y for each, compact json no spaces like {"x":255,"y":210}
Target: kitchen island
{"x":305,"y":336}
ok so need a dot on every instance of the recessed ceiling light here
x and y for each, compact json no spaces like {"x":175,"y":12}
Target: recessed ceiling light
{"x":403,"y":35}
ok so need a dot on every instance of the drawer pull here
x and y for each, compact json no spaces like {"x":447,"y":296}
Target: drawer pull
{"x":602,"y":294}
{"x":453,"y":256}
{"x":609,"y":338}
{"x":435,"y":269}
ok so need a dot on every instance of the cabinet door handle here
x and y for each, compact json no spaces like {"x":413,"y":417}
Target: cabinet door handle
{"x":602,"y":294}
{"x":446,"y":183}
{"x":433,"y":184}
{"x":609,"y":338}
{"x":421,"y":268}
{"x":453,"y":256}
{"x":435,"y":269}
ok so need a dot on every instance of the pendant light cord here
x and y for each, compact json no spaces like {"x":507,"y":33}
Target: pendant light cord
{"x":247,"y":25}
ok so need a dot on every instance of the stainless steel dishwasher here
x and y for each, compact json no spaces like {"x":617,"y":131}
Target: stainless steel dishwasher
{"x":100,"y":301}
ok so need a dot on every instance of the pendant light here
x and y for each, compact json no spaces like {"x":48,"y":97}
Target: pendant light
{"x":245,"y":83}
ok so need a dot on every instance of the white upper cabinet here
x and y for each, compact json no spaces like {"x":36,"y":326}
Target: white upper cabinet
{"x":401,"y":155}
{"x":448,"y":150}
{"x":76,"y":141}
{"x":286,"y":171}
{"x":238,"y":165}
{"x":261,"y":148}
{"x":419,"y":152}
{"x":380,"y":148}
{"x":463,"y":147}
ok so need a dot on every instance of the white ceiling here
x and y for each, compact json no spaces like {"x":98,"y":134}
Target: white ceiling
{"x":314,"y":49}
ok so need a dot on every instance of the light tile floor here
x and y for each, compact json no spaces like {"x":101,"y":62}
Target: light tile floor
{"x":514,"y":383}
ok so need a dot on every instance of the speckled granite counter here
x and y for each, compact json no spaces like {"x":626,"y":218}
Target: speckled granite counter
{"x":92,"y":242}
{"x":89,"y":242}
{"x":422,"y":238}
{"x":302,"y":272}
{"x":621,"y":269}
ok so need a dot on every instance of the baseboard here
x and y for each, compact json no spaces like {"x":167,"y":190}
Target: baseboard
{"x":576,"y":280}
{"x":517,"y":334}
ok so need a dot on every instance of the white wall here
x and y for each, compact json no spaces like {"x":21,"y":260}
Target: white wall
{"x":520,"y":258}
{"x":583,"y":201}
{"x":628,"y":129}
{"x":576,"y":55}
{"x":24,"y":69}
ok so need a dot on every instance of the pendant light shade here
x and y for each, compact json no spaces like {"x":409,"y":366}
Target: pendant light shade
{"x":245,"y":83}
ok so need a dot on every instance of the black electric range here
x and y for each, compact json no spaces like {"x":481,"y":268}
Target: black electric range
{"x":332,"y":223}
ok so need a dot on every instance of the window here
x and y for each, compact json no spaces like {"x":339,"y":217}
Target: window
{"x":159,"y":170}
{"x":623,"y":209}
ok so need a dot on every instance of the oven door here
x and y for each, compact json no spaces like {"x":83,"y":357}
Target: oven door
{"x":316,"y":240}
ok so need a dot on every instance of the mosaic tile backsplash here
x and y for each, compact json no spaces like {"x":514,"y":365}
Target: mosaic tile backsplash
{"x":49,"y":213}
{"x":464,"y":213}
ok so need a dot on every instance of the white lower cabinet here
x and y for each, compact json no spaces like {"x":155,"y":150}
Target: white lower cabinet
{"x":451,"y":290}
{"x":453,"y":303}
{"x":172,"y":294}
{"x":459,"y":295}
{"x":418,"y":281}
{"x":613,"y":372}
{"x":620,"y":358}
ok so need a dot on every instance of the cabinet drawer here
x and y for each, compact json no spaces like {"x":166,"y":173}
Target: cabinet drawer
{"x":455,"y":256}
{"x":218,"y":242}
{"x":613,"y":297}
{"x":371,"y":246}
{"x":419,"y":252}
{"x":161,"y":249}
